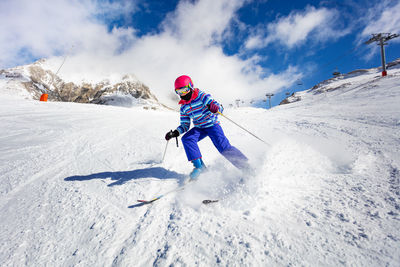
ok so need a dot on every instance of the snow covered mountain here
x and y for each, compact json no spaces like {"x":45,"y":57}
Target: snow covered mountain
{"x":33,"y":80}
{"x":341,"y":81}
{"x":326,"y":191}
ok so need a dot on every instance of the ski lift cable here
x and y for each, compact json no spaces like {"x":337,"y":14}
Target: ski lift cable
{"x":348,"y":52}
{"x":66,"y":55}
{"x":322,"y":68}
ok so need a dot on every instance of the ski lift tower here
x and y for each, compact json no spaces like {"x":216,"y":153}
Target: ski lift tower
{"x":381,"y":39}
{"x":269,"y":98}
{"x":237,"y":102}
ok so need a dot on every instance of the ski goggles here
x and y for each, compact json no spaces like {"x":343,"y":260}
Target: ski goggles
{"x":183,"y":90}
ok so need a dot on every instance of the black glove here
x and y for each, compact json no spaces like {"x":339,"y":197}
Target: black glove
{"x":213,"y":107}
{"x":171,"y":134}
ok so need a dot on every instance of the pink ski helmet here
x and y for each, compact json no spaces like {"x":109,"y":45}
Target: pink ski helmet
{"x":183,"y":81}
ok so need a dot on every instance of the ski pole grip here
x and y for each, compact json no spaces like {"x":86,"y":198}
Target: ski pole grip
{"x":177,"y":144}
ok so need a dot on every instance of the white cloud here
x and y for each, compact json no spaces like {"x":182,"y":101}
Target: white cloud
{"x":201,"y":22}
{"x":297,"y":28}
{"x":189,"y":42}
{"x":381,"y":18}
{"x":383,"y":21}
{"x":44,"y":28}
{"x":255,"y":41}
{"x":225,"y":77}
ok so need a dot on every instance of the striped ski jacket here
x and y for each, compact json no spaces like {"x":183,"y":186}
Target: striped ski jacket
{"x":197,"y":110}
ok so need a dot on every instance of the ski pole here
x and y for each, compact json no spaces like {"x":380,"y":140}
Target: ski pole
{"x":165,"y":151}
{"x":243,"y":128}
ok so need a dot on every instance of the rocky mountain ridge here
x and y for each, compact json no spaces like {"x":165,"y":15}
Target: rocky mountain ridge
{"x":36,"y":80}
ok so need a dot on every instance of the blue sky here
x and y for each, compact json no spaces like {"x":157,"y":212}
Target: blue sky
{"x":235,"y":49}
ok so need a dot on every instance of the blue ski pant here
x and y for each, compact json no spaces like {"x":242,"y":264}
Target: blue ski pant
{"x":217,"y":136}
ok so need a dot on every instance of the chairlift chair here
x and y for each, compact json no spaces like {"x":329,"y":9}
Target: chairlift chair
{"x":336,"y":72}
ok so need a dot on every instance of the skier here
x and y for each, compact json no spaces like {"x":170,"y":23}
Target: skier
{"x":203,"y":110}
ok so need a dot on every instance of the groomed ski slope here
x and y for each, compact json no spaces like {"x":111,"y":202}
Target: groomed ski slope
{"x":326,"y":192}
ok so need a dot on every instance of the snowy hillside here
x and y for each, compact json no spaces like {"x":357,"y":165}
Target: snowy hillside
{"x":342,"y":81}
{"x":326,"y":192}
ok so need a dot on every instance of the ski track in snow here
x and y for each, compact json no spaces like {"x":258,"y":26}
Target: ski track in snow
{"x":326,"y":193}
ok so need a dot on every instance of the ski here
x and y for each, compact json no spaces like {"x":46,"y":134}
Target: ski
{"x":149,"y":201}
{"x":209,"y":201}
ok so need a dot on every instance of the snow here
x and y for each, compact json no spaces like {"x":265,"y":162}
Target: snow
{"x":325,"y":193}
{"x":12,"y":88}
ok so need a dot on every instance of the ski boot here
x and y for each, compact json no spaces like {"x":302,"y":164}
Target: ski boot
{"x":199,"y":167}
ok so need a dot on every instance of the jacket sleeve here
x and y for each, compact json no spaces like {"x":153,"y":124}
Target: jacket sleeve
{"x":207,"y":100}
{"x":185,"y":123}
